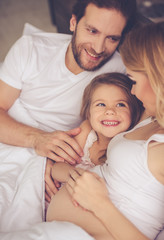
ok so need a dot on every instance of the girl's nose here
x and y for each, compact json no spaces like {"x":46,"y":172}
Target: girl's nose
{"x":110,"y":111}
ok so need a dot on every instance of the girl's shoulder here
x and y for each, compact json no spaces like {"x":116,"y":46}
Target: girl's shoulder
{"x":85,"y":130}
{"x":86,"y":126}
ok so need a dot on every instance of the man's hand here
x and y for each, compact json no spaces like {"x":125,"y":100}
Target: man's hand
{"x":59,"y":146}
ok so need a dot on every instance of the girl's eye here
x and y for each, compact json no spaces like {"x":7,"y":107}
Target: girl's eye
{"x":121,"y":105}
{"x":100,"y":105}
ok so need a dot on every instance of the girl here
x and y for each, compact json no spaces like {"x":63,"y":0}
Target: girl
{"x":109,"y":108}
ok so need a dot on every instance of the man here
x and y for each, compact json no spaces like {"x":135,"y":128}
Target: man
{"x":44,"y":75}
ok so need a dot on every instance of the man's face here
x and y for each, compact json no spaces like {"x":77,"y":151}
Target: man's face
{"x":96,"y":36}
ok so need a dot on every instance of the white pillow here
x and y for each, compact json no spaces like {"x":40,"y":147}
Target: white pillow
{"x":30,"y":29}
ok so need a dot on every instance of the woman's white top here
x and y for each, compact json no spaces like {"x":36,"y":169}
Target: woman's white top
{"x":132,"y":187}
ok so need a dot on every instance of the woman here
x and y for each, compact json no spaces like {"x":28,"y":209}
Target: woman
{"x":130,"y":202}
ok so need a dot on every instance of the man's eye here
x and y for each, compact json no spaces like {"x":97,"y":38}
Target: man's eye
{"x":92,"y":30}
{"x":121,"y":105}
{"x":114,"y":39}
{"x":100,"y":105}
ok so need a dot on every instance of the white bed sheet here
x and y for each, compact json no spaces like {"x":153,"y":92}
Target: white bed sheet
{"x":49,"y":231}
{"x":22,"y":200}
{"x":21,"y":188}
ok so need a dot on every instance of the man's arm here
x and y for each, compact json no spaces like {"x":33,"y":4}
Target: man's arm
{"x":58,"y":145}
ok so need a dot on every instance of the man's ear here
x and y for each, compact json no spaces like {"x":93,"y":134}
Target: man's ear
{"x":73,"y":23}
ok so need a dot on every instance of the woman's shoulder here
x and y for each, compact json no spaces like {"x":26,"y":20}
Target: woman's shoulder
{"x":157,"y":134}
{"x":156,"y":153}
{"x":156,"y":160}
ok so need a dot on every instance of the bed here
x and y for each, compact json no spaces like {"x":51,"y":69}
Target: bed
{"x":22,"y":197}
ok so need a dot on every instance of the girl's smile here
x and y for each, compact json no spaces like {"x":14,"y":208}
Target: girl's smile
{"x":109,"y":110}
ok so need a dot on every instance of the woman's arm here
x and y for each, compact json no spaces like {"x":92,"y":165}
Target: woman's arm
{"x":90,"y":191}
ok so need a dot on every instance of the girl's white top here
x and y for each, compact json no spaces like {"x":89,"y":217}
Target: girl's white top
{"x":86,"y":161}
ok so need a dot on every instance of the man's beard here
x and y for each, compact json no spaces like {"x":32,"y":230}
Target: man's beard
{"x":77,"y":57}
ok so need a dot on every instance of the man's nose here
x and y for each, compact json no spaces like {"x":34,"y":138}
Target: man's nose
{"x":99,"y":45}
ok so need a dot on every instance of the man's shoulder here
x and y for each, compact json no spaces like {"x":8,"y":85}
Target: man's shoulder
{"x":38,"y":37}
{"x":42,"y":46}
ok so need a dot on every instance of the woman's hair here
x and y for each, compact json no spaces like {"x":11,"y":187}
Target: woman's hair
{"x":143,"y":51}
{"x":119,"y":80}
{"x":126,"y":7}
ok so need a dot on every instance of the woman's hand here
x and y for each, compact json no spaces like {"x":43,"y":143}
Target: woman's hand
{"x":87,"y":189}
{"x":59,"y":146}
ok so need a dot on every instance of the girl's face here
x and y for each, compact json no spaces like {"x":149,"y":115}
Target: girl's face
{"x":143,"y":91}
{"x":109,"y":111}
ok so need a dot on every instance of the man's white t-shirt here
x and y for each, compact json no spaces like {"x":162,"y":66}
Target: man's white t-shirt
{"x":50,"y":94}
{"x":50,"y":99}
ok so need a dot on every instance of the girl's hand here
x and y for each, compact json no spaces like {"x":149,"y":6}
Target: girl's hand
{"x":51,"y":185}
{"x":87,"y":189}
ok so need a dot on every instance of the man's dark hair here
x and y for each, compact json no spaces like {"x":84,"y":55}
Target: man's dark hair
{"x":128,"y":8}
